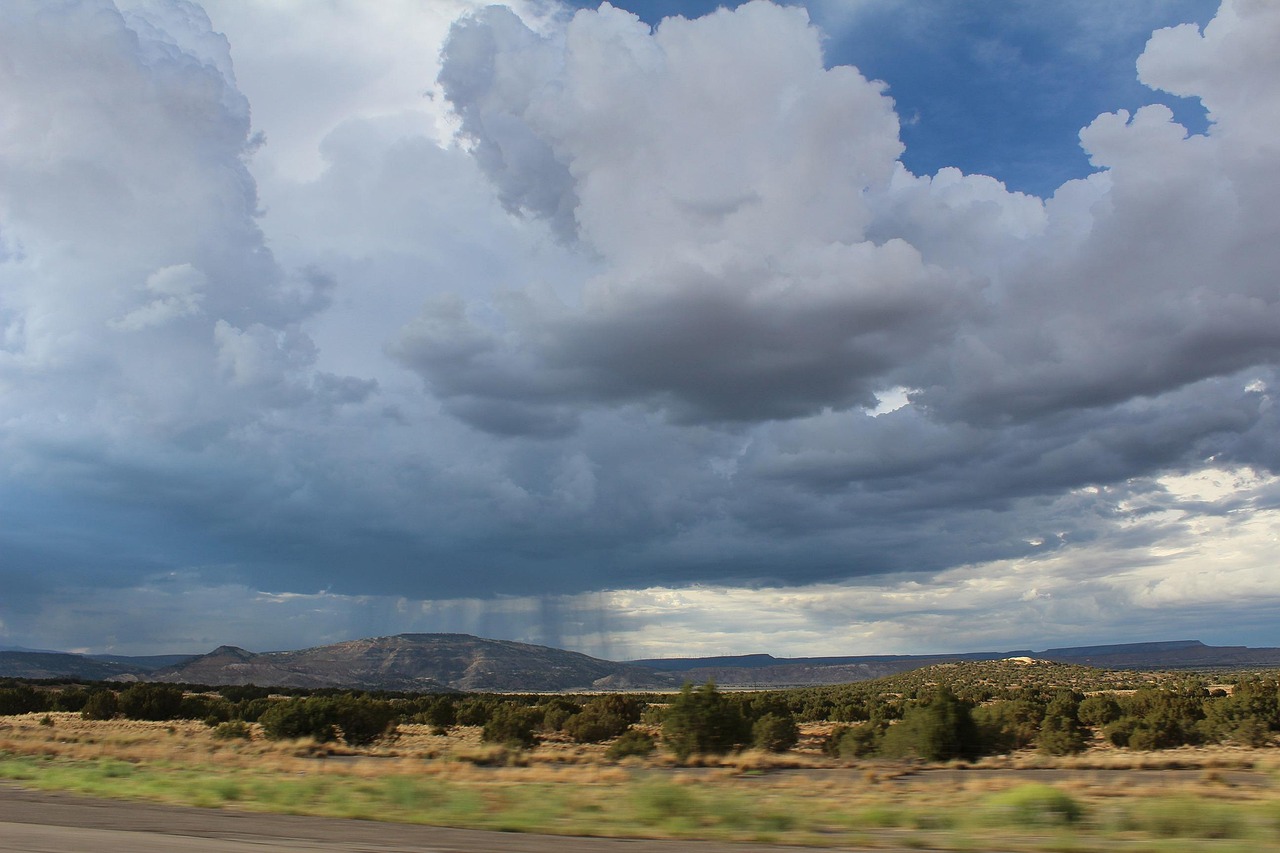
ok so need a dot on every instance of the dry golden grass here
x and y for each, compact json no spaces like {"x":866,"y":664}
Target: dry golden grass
{"x":71,"y":737}
{"x":800,"y":797}
{"x":134,"y":741}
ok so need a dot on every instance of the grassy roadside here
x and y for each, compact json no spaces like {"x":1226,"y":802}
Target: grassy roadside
{"x":873,"y":805}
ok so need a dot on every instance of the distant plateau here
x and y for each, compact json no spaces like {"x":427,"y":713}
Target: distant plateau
{"x":460,"y":662}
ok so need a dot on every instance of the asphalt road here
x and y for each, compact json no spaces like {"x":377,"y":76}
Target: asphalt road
{"x":39,"y":822}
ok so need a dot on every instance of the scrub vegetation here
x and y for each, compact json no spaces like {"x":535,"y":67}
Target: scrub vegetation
{"x":1055,"y":757}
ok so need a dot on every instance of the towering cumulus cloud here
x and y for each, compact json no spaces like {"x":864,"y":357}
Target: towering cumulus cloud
{"x":769,"y":269}
{"x":767,"y":257}
{"x":725,"y":179}
{"x":665,"y":324}
{"x":144,"y":324}
{"x":136,"y":283}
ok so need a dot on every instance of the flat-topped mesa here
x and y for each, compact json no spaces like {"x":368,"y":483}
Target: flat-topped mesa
{"x":420,"y":663}
{"x":440,"y":662}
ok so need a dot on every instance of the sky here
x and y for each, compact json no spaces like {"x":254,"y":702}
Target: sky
{"x":648,"y":329}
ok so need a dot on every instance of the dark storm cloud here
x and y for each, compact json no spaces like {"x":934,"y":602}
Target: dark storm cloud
{"x":698,"y":348}
{"x":630,"y":332}
{"x":907,"y":454}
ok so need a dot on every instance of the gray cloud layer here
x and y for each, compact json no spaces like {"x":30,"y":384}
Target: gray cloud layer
{"x":766,"y":257}
{"x":632,"y":330}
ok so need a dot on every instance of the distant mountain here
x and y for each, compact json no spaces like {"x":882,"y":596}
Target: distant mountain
{"x":1177,"y":654}
{"x":1160,"y":648}
{"x":143,"y":663}
{"x":422,"y":662}
{"x":58,"y":665}
{"x":724,"y":661}
{"x":767,"y":671}
{"x":794,"y":674}
{"x":439,"y":662}
{"x":764,"y":661}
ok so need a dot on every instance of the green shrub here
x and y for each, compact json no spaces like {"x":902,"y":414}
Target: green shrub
{"x":439,"y":713}
{"x":1259,"y":699}
{"x":1060,"y":731}
{"x":1182,"y":817}
{"x":858,"y":741}
{"x":359,"y":720}
{"x":289,"y":719}
{"x":632,"y":742}
{"x":654,"y":715}
{"x":1251,"y":731}
{"x":232,"y":730}
{"x":476,"y":710}
{"x":362,"y":720}
{"x":556,"y":712}
{"x":629,"y":708}
{"x":112,"y":769}
{"x":879,"y":817}
{"x":1098,"y":710}
{"x":151,"y":702}
{"x":22,"y":700}
{"x":775,"y":732}
{"x":251,"y":710}
{"x":755,"y":706}
{"x":101,"y":705}
{"x":238,"y":693}
{"x":1034,"y":805}
{"x":198,"y":707}
{"x":1118,"y":731}
{"x":1007,"y":724}
{"x":938,"y":729}
{"x":660,"y":802}
{"x":1245,"y":717}
{"x":513,"y":725}
{"x":594,"y":725}
{"x":813,"y":708}
{"x":1144,"y":738}
{"x":703,"y":721}
{"x":1164,"y":718}
{"x":846,"y":712}
{"x":71,"y":699}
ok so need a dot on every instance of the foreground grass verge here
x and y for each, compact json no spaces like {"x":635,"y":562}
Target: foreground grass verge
{"x":872,"y":805}
{"x":646,"y":803}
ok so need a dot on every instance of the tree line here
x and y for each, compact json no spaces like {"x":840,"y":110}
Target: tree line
{"x":921,"y":715}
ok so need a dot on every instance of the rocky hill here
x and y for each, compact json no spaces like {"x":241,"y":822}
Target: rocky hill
{"x":420,"y":662}
{"x":462,"y":662}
